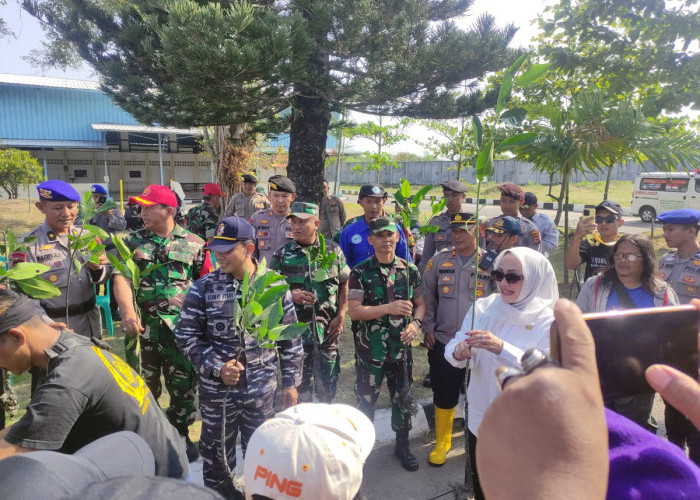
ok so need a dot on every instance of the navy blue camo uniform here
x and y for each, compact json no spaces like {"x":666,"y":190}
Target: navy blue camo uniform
{"x":205,"y":334}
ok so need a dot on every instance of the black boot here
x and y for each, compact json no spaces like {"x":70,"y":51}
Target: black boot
{"x":191,"y":449}
{"x":401,"y":450}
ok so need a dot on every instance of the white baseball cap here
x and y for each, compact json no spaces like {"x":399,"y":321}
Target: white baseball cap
{"x":309,"y":452}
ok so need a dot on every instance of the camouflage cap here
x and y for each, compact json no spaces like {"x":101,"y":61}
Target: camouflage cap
{"x":462,"y":220}
{"x":303,"y":210}
{"x":382,"y":224}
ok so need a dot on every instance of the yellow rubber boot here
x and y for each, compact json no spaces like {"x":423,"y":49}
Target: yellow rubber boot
{"x":443,"y":436}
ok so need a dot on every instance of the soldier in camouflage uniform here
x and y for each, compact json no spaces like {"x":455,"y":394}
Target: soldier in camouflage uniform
{"x":272,"y":228}
{"x":180,"y":255}
{"x":248,"y":202}
{"x":320,"y":301}
{"x":385,"y":300}
{"x":448,"y":287}
{"x":202,"y":219}
{"x":454,"y":192}
{"x":245,"y":382}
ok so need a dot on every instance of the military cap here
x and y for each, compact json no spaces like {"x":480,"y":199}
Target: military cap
{"x":462,"y":219}
{"x":212,"y":189}
{"x":372,"y":191}
{"x":686,"y":216}
{"x":530,"y":199}
{"x":156,"y":194}
{"x":230,"y":231}
{"x":505,"y":224}
{"x":98,"y":189}
{"x":57,"y":191}
{"x":382,"y":224}
{"x":302,"y":210}
{"x":282,"y":184}
{"x":453,"y":185}
{"x":250,"y":178}
{"x":512,"y":190}
{"x":610,"y":206}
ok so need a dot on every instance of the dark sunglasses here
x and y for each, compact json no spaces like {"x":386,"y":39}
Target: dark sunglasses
{"x":599,"y":219}
{"x":511,"y":278}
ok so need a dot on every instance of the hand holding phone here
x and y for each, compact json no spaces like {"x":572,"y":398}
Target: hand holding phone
{"x":586,"y":224}
{"x":628,"y":342}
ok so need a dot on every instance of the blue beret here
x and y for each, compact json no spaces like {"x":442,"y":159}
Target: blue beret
{"x":57,"y":191}
{"x":97,"y":189}
{"x":681,"y":216}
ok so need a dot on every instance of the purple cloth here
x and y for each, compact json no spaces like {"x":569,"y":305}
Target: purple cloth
{"x":643,"y":466}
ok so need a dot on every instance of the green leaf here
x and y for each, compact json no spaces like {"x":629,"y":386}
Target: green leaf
{"x":484,"y":163}
{"x":246,"y":284}
{"x":107,"y":205}
{"x":291,"y":331}
{"x":504,"y":92}
{"x":97,"y":231}
{"x":253,"y":308}
{"x":123,"y":250}
{"x":320,"y":275}
{"x":517,"y":140}
{"x":405,"y":188}
{"x":276,"y":313}
{"x":514,"y":117}
{"x":477,"y":130}
{"x":38,"y":288}
{"x":26,"y":270}
{"x":518,"y":62}
{"x":118,"y":265}
{"x":420,"y":194}
{"x":134,"y":273}
{"x":533,"y":73}
{"x":273,"y":294}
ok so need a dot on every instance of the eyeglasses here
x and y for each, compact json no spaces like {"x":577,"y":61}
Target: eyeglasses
{"x":599,"y":219}
{"x":511,"y":278}
{"x":629,"y":257}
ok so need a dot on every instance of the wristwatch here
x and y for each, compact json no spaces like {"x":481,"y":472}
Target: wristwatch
{"x":216,"y":371}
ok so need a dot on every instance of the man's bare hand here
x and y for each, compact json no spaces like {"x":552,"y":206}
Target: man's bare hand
{"x":231,"y":372}
{"x":131,"y":325}
{"x":399,"y":308}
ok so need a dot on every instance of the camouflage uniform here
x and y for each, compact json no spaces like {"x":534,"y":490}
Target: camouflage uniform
{"x":292,"y":261}
{"x":434,"y":242}
{"x":529,"y":237}
{"x":205,"y":334}
{"x":332,"y":215}
{"x":245,"y":206}
{"x":378,"y":347}
{"x":159,"y":298}
{"x":202,"y":220}
{"x":271,"y":232}
{"x":54,"y":251}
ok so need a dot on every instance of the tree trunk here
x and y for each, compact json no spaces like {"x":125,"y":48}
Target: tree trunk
{"x":551,"y":183}
{"x":311,"y":116}
{"x":607,"y":179}
{"x":566,"y":232}
{"x":562,"y":194}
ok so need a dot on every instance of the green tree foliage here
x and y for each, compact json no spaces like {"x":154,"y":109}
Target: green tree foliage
{"x":18,"y":168}
{"x":452,"y":139}
{"x":186,"y":62}
{"x":637,"y":49}
{"x":382,"y":136}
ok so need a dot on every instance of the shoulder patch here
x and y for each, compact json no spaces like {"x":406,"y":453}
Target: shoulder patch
{"x":429,"y":265}
{"x":535,"y":236}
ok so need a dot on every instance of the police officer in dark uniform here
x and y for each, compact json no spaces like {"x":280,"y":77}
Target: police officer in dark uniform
{"x":58,"y":201}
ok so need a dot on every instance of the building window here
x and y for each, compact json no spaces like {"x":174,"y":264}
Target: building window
{"x":80,"y":174}
{"x":134,"y":174}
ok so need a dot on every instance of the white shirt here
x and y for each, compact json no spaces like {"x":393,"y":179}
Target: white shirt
{"x":483,"y":385}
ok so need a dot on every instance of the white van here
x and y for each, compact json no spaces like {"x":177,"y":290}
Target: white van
{"x":658,"y":192}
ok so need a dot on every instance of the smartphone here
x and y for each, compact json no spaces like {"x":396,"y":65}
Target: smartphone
{"x":628,"y":342}
{"x":587,"y":215}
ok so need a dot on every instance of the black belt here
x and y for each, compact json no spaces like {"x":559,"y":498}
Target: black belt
{"x":73,"y":310}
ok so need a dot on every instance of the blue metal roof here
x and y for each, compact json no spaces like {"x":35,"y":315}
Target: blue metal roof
{"x":51,"y":114}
